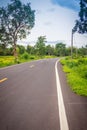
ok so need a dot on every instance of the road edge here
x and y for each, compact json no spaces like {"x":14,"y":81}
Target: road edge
{"x":62,"y":112}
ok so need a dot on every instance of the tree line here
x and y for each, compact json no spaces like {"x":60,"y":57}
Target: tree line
{"x":41,"y":49}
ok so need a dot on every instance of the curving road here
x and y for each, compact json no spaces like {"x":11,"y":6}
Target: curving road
{"x":29,"y":98}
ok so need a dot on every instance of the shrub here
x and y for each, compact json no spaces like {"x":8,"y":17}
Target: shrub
{"x":71,"y":64}
{"x":76,"y":70}
{"x":25,"y":56}
{"x":82,"y":61}
{"x":32,"y":57}
{"x":85,"y":74}
{"x":82,"y":71}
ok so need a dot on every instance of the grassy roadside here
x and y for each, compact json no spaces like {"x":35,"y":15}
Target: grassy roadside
{"x":9,"y":60}
{"x":76,"y":71}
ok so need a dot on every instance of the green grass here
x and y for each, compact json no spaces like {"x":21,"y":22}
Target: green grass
{"x":76,"y":70}
{"x":49,"y":56}
{"x":10,"y":60}
{"x":6,"y":61}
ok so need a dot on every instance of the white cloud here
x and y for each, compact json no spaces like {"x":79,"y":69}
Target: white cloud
{"x":53,"y":21}
{"x":80,"y":40}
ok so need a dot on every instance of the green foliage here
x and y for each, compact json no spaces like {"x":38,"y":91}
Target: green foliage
{"x":82,"y":51}
{"x":4,"y":50}
{"x":6,"y":61}
{"x":31,"y":50}
{"x":82,"y":70}
{"x":10,"y":60}
{"x":81,"y":24}
{"x":25,"y":56}
{"x":32,"y":57}
{"x":40,"y":45}
{"x":72,"y":64}
{"x":77,"y":84}
{"x":49,"y":56}
{"x":21,"y":49}
{"x":49,"y":50}
{"x":76,"y":70}
{"x":16,"y":20}
{"x":82,"y":61}
{"x":60,"y":49}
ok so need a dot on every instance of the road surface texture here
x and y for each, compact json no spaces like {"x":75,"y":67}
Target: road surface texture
{"x":29,"y":98}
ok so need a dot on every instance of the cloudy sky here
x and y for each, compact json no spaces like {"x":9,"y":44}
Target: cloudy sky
{"x":54,"y":19}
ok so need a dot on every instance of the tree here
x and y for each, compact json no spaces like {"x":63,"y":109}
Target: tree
{"x":86,"y":49}
{"x":81,"y":23}
{"x":16,"y":20}
{"x":31,"y":49}
{"x":21,"y":49}
{"x":40,"y":45}
{"x":49,"y":50}
{"x":83,"y":51}
{"x":60,"y":49}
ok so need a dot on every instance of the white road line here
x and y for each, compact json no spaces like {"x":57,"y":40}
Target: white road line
{"x":62,"y":113}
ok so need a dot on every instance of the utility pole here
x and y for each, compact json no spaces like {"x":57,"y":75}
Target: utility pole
{"x":72,"y":44}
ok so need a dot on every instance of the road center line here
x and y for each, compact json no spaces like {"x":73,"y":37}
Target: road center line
{"x":2,"y":80}
{"x":62,"y":113}
{"x":31,"y":66}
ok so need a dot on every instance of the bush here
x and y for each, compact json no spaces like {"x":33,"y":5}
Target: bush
{"x":72,"y":64}
{"x":82,"y":71}
{"x":82,"y":61}
{"x":63,"y":62}
{"x":6,"y":61}
{"x":25,"y":56}
{"x":32,"y":57}
{"x":85,"y":74}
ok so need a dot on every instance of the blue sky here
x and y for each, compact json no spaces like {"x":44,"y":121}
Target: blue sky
{"x":54,"y":19}
{"x":70,"y":4}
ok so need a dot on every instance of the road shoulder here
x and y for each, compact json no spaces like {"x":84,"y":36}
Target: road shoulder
{"x":75,"y":105}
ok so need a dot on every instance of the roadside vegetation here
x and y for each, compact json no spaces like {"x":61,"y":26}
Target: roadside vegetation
{"x":38,"y":51}
{"x":10,"y":60}
{"x":76,"y":71}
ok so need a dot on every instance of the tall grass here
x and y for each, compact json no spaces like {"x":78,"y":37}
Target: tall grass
{"x":6,"y":61}
{"x":76,"y":70}
{"x":10,"y":60}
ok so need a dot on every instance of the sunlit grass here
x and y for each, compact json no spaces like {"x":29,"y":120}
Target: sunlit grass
{"x":76,"y":71}
{"x":49,"y":56}
{"x":10,"y":60}
{"x":6,"y":61}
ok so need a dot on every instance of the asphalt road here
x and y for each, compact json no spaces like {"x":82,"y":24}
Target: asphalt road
{"x":29,"y":98}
